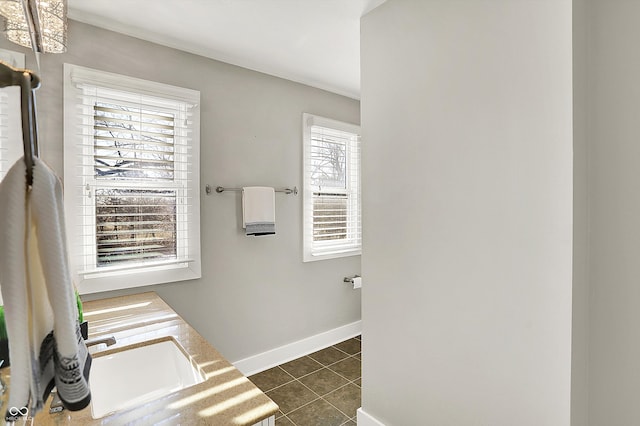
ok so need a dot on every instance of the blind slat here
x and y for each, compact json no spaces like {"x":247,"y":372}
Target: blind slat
{"x":168,"y":117}
{"x":133,"y":125}
{"x":125,"y":148}
{"x":133,"y":159}
{"x":106,"y":250}
{"x":120,"y":257}
{"x":130,"y":231}
{"x":129,"y":240}
{"x":130,"y":214}
{"x":130,"y":141}
{"x":134,"y":169}
{"x":133,"y":133}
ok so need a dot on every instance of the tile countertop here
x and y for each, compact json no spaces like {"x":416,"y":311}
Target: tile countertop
{"x":226,"y":397}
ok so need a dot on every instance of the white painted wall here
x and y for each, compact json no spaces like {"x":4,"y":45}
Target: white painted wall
{"x":467,"y":207}
{"x":255,"y":294}
{"x":614,"y":212}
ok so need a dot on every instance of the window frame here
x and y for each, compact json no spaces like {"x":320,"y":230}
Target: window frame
{"x":328,"y":249}
{"x":80,"y":215}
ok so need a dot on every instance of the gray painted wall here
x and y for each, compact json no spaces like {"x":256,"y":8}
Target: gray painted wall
{"x":580,"y":321}
{"x":255,"y":293}
{"x":614,"y":212}
{"x":467,"y":118}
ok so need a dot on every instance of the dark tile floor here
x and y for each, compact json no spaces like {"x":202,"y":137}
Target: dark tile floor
{"x":322,"y":388}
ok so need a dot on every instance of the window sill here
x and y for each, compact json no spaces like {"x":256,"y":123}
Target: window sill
{"x":117,"y":280}
{"x":312,"y":257}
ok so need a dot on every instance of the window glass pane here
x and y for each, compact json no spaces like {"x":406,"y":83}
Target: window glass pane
{"x":132,"y":143}
{"x":329,"y":217}
{"x":134,"y":225}
{"x":328,"y":160}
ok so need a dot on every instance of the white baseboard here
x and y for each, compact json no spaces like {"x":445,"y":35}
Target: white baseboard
{"x":265,"y":360}
{"x":366,"y":419}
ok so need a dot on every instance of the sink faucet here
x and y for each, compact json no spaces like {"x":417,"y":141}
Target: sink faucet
{"x":109,"y":340}
{"x":56,"y":404}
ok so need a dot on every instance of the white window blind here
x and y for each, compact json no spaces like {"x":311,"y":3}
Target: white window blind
{"x":132,"y":159}
{"x":332,"y":201}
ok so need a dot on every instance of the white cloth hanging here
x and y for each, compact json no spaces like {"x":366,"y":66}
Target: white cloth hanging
{"x":258,"y":210}
{"x":37,"y":290}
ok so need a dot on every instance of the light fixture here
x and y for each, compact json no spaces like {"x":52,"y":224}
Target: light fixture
{"x":38,"y":24}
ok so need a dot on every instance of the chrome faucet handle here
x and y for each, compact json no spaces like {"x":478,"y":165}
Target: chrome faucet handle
{"x":56,"y":404}
{"x":109,"y":340}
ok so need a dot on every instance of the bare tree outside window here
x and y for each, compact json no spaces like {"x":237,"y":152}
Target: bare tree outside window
{"x":135,"y":223}
{"x":329,"y":175}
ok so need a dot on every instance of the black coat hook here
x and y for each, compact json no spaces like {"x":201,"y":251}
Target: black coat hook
{"x":28,"y":82}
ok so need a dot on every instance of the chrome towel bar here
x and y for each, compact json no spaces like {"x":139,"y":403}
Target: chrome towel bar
{"x":221,"y":189}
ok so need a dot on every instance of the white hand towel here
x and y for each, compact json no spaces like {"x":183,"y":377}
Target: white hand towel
{"x":38,"y":292}
{"x":13,"y":279}
{"x":47,"y":213}
{"x":258,"y":210}
{"x":71,"y":358}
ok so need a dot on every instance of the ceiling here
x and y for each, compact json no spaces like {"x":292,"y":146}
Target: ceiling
{"x":315,"y":42}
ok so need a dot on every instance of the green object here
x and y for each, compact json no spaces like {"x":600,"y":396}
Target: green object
{"x":3,"y":328}
{"x":80,"y":314}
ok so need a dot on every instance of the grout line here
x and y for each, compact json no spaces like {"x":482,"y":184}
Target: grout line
{"x":339,"y":410}
{"x":338,"y":388}
{"x":340,"y":360}
{"x":301,"y":407}
{"x":285,"y":383}
{"x":347,"y":353}
{"x":346,"y":378}
{"x":313,"y":372}
{"x":305,"y":356}
{"x":327,"y":367}
{"x":349,"y":418}
{"x":308,"y":374}
{"x":304,"y":405}
{"x":322,"y":366}
{"x":347,"y":356}
{"x":351,"y":380}
{"x":292,"y":422}
{"x":286,"y":372}
{"x":336,"y":345}
{"x":319,"y":396}
{"x":322,"y":398}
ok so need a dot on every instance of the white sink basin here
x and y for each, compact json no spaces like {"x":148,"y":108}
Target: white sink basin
{"x":130,"y":377}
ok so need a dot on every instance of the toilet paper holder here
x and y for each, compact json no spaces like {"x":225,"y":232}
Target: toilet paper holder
{"x":350,"y":279}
